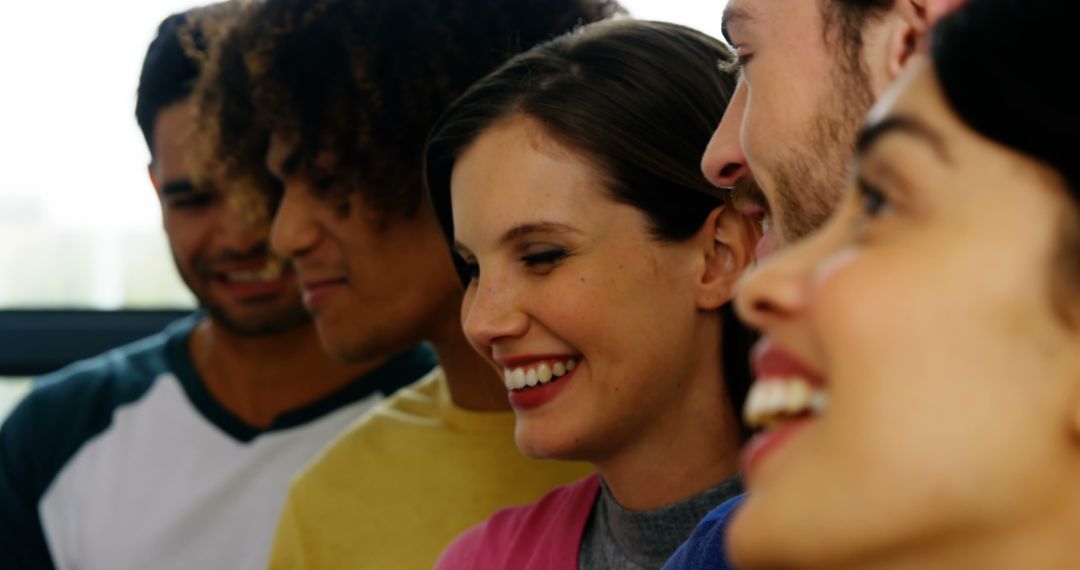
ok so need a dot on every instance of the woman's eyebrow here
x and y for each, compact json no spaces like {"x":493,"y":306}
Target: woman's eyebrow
{"x":872,"y":133}
{"x":521,"y":230}
{"x":525,"y":229}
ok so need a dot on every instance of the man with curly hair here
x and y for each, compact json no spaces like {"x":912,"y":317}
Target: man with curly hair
{"x":335,"y":99}
{"x":176,"y":452}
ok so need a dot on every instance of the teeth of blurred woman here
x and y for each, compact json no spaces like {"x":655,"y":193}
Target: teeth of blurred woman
{"x":531,"y":378}
{"x":773,"y":400}
{"x":559,"y":369}
{"x":544,"y":373}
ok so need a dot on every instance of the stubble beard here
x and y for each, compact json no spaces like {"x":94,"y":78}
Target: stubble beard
{"x":268,"y":324}
{"x":810,"y":183}
{"x":271,"y":321}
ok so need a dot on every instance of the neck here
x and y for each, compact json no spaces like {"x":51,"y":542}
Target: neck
{"x":474,"y":384}
{"x":692,"y":447}
{"x":258,"y":378}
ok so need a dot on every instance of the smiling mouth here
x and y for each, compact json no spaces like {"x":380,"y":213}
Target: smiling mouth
{"x":773,"y":401}
{"x":525,"y":377}
{"x":748,"y":198}
{"x":785,"y":388}
{"x":271,"y":271}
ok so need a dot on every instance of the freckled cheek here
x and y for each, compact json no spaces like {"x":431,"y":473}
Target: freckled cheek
{"x":583,"y":312}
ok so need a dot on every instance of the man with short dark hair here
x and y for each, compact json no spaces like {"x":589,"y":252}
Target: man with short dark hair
{"x":810,"y":70}
{"x":336,"y":97}
{"x":176,"y":451}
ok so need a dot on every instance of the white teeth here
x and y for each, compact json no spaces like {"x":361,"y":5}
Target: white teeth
{"x":271,"y":271}
{"x":543,"y":373}
{"x":796,"y":396}
{"x":774,"y":400}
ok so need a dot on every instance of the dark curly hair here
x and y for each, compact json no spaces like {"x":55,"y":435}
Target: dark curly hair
{"x":360,"y":80}
{"x":173,"y":60}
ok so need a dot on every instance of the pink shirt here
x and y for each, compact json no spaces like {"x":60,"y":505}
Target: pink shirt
{"x":545,"y":535}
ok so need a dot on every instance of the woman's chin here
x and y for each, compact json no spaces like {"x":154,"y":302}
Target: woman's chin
{"x":756,"y":538}
{"x":538,"y":443}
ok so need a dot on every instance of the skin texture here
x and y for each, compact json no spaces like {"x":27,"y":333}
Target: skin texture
{"x":375,"y":284}
{"x":927,"y":305}
{"x":374,"y":278}
{"x":257,"y":340}
{"x":646,"y":403}
{"x":208,"y":236}
{"x":801,"y":98}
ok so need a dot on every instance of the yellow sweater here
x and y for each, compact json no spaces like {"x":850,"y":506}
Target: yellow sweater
{"x":405,"y":480}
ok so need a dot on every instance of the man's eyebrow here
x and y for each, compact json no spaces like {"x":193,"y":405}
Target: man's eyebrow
{"x":733,"y":16}
{"x":177,"y":187}
{"x":872,"y":133}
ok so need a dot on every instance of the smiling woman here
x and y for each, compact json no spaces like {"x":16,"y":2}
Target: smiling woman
{"x":938,"y":312}
{"x":598,"y":266}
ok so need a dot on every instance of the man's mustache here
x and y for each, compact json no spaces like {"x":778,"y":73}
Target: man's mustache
{"x":747,"y":192}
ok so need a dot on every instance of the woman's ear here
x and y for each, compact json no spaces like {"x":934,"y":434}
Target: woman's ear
{"x":729,"y":239}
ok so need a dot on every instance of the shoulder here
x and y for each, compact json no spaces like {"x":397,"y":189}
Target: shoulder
{"x":705,"y":547}
{"x":369,"y":439}
{"x":67,"y":407}
{"x":62,"y":412}
{"x":522,"y":536}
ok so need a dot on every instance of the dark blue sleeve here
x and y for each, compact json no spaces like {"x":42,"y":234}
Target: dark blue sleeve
{"x":61,"y":412}
{"x":704,"y":550}
{"x":24,"y":475}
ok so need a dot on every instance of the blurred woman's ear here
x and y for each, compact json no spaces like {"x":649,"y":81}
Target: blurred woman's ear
{"x":729,"y":239}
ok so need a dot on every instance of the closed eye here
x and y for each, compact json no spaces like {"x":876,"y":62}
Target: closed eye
{"x":546,"y":257}
{"x":191,"y":200}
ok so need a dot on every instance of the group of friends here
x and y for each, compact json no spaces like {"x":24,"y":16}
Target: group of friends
{"x":532,"y":284}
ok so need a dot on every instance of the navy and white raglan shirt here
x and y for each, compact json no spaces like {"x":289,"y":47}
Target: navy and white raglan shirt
{"x":125,"y":461}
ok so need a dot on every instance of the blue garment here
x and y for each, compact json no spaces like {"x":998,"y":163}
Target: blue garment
{"x":704,"y":550}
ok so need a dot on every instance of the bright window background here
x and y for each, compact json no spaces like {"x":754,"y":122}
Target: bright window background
{"x":79,"y":223}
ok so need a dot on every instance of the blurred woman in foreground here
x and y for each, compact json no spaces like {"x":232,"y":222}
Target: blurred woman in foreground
{"x":939,"y":314}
